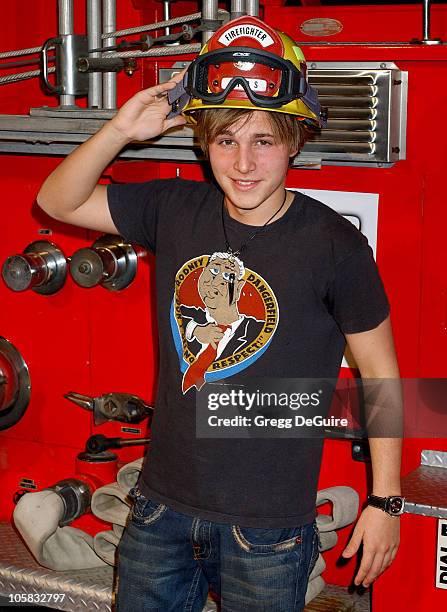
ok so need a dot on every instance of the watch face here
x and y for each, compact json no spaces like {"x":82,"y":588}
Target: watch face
{"x":396,"y":505}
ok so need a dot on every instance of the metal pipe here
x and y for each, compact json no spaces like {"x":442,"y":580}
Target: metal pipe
{"x":253,"y":7}
{"x":209,"y":11}
{"x":426,"y":39}
{"x":166,"y":16}
{"x":109,"y":78}
{"x":94,"y":42}
{"x":66,"y":22}
{"x":66,"y":26}
{"x":426,"y":20}
{"x":237,"y":8}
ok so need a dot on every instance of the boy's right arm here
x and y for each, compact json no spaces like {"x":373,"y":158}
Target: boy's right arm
{"x":71,"y":193}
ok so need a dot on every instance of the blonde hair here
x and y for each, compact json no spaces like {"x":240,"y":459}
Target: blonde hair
{"x":287,"y":129}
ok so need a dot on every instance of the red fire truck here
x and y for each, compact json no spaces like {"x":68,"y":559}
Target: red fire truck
{"x":78,"y":355}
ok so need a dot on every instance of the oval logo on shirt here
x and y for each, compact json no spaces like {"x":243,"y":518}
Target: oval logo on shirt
{"x":223,"y":318}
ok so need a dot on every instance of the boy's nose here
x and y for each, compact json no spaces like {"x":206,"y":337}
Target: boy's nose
{"x":244,"y":162}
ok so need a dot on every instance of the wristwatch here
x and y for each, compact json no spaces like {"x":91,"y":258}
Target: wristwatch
{"x":393,"y":505}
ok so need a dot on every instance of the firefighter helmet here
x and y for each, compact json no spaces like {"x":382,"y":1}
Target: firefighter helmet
{"x":248,"y":64}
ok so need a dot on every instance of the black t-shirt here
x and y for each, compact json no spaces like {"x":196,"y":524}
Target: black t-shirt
{"x":309,"y":278}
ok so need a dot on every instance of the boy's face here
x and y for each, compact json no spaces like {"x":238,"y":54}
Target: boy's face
{"x":249,"y":165}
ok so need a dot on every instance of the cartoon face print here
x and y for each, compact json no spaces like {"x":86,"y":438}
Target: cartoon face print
{"x":223,"y":317}
{"x":215,"y":283}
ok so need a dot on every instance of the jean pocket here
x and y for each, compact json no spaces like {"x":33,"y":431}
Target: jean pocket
{"x":264,"y":541}
{"x":145,"y":511}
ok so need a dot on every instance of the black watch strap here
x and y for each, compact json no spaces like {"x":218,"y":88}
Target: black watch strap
{"x":393,"y":505}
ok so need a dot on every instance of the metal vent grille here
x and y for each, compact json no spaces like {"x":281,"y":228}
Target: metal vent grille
{"x":366,"y":107}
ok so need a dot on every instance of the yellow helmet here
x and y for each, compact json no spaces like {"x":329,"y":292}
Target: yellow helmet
{"x":248,"y":64}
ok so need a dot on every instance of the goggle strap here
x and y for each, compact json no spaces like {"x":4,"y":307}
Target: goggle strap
{"x":310,"y":99}
{"x":178,"y":97}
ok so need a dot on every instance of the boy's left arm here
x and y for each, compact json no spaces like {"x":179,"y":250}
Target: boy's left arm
{"x":375,"y":356}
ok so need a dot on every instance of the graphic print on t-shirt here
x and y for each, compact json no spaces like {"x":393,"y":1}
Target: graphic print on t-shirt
{"x":223,"y":317}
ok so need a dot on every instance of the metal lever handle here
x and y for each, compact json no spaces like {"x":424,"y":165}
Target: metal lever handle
{"x":51,"y":41}
{"x":99,"y":443}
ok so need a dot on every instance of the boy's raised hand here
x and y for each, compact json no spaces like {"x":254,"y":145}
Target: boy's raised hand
{"x":144,"y":115}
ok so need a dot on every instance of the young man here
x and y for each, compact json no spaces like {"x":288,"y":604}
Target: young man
{"x":252,"y":280}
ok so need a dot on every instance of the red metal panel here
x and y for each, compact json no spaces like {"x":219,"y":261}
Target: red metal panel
{"x":409,"y":584}
{"x":46,"y":329}
{"x":360,"y":23}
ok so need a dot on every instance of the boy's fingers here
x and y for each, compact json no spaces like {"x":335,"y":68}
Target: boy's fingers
{"x":174,"y":122}
{"x":178,"y":76}
{"x":157,"y":91}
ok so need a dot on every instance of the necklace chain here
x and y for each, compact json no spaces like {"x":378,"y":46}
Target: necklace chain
{"x":259,"y":229}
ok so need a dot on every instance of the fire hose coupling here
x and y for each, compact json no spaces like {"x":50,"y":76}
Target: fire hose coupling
{"x":122,"y":407}
{"x":75,"y":495}
{"x":15,"y":385}
{"x":41,"y":267}
{"x":109,"y":262}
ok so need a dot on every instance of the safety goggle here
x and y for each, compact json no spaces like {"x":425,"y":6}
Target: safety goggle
{"x":215,"y":71}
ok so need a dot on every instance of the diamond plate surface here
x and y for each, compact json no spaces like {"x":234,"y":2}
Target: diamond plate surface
{"x":425,"y":491}
{"x":434,"y":458}
{"x":19,"y":573}
{"x":337,"y":599}
{"x":85,"y":590}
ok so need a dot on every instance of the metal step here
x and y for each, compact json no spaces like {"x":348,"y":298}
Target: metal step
{"x":338,"y":599}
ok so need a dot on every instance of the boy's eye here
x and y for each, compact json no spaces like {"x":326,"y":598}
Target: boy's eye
{"x":214,"y":271}
{"x":264,"y":142}
{"x":226,"y":276}
{"x":225,"y":141}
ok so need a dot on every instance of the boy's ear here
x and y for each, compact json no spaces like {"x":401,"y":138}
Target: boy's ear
{"x":292,"y":154}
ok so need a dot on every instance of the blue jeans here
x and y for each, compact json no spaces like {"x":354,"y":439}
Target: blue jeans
{"x":167,"y":561}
